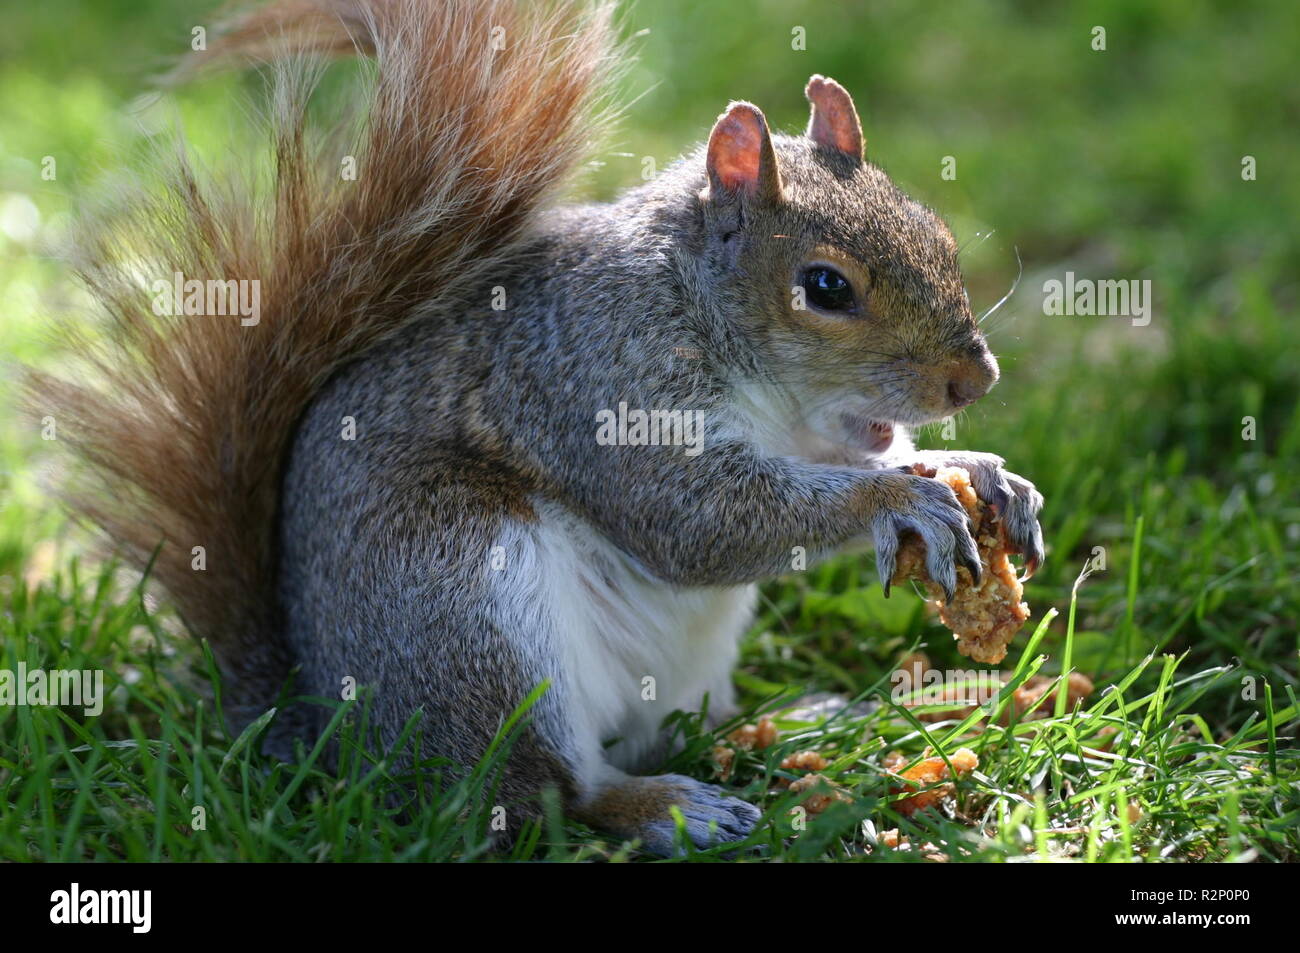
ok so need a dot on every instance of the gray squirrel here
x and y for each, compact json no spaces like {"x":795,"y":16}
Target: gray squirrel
{"x":407,"y":472}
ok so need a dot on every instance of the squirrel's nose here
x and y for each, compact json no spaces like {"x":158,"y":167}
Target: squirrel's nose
{"x":972,"y":379}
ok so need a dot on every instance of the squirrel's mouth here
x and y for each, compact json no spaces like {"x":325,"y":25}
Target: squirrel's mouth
{"x":865,"y":433}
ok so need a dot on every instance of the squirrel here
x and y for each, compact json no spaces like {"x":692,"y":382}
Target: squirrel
{"x":427,"y":465}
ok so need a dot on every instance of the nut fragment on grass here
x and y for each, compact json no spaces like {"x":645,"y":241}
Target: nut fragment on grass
{"x":804,"y":761}
{"x":1033,"y":700}
{"x":1030,"y":701}
{"x":984,"y":618}
{"x":819,"y":801}
{"x":930,"y":772}
{"x":754,"y":737}
{"x":892,"y":840}
{"x":724,"y":759}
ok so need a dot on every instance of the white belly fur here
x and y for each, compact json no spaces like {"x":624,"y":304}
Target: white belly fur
{"x":615,"y":626}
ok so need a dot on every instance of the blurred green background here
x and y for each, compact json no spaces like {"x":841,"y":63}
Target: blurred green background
{"x":1123,"y":163}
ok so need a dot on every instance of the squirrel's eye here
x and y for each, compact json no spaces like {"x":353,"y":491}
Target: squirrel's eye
{"x":827,"y":290}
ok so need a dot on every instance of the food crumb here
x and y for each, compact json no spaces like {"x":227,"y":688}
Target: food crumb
{"x":819,"y":801}
{"x":755,"y":737}
{"x":930,"y":772}
{"x":804,"y":761}
{"x":1032,"y":699}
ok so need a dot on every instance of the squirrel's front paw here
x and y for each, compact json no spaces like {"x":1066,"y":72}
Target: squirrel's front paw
{"x":902,"y":502}
{"x":641,"y":808}
{"x":1017,"y":501}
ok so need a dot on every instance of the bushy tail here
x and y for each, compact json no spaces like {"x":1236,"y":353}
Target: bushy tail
{"x":477,"y":111}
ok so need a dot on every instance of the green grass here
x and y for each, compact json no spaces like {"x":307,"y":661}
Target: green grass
{"x":1122,"y":164}
{"x":158,"y":778}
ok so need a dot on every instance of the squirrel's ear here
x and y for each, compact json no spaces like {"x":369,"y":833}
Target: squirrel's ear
{"x":834,"y":121}
{"x":741,"y":158}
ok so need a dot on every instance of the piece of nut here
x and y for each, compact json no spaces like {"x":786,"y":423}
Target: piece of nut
{"x":930,"y":772}
{"x":817,"y":802}
{"x":755,"y":737}
{"x":984,"y":618}
{"x":804,"y":761}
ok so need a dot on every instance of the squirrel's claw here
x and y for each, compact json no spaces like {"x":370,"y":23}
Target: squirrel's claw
{"x":972,"y":567}
{"x":886,"y":544}
{"x":1016,"y":500}
{"x":935,"y":515}
{"x":1022,"y":503}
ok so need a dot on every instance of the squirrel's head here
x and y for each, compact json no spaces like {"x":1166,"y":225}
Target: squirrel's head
{"x":847,"y":290}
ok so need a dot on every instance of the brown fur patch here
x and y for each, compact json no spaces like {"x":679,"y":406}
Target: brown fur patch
{"x":626,"y":808}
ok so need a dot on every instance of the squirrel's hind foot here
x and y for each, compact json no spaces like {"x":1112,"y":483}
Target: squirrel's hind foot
{"x":641,"y":808}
